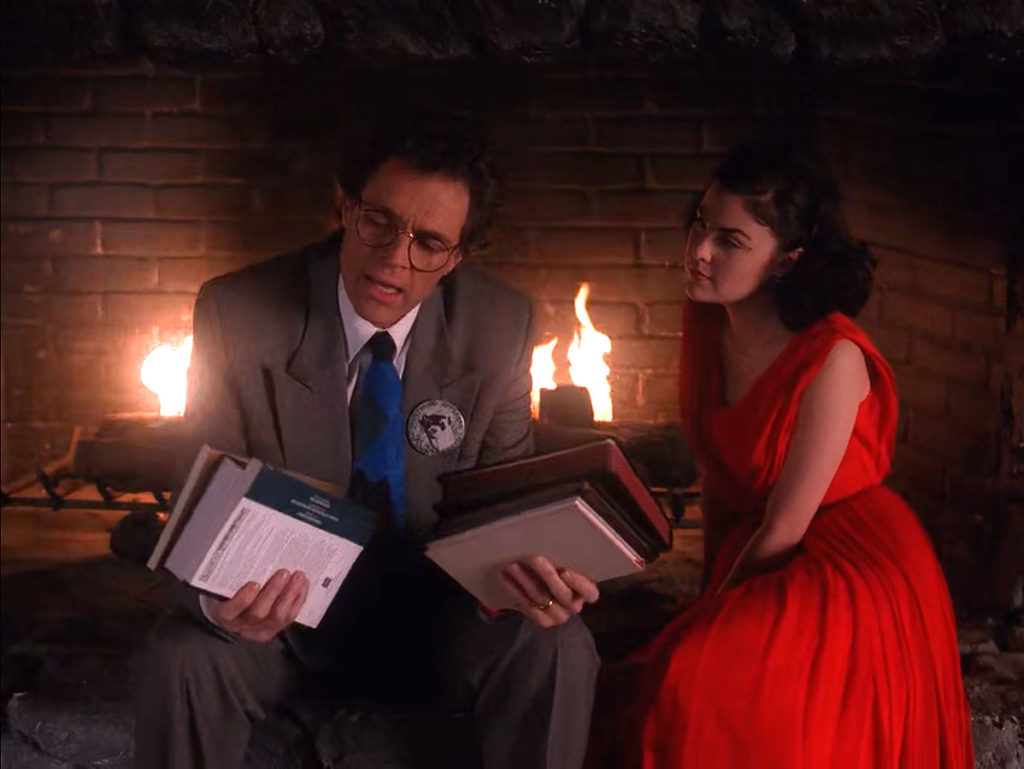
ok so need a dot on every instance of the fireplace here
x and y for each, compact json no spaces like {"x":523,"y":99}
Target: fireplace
{"x":135,"y":169}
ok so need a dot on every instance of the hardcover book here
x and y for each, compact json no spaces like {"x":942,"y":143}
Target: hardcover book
{"x":583,"y":508}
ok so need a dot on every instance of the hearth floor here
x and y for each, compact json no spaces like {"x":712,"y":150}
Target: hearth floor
{"x":73,"y":615}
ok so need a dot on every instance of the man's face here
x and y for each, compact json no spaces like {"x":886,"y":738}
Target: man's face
{"x":380,"y":282}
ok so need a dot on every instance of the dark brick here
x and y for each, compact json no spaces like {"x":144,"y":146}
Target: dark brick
{"x":203,"y":131}
{"x":99,"y":274}
{"x":187,"y":275}
{"x":661,"y":389}
{"x":646,"y":354}
{"x":49,"y":165}
{"x":665,"y":319}
{"x":896,"y":269}
{"x":539,"y":133}
{"x":244,"y":165}
{"x":204,"y":201}
{"x":720,"y":135}
{"x":152,"y":238}
{"x":19,"y":130}
{"x":586,"y":246}
{"x":42,"y":93}
{"x":981,"y":329}
{"x":706,"y":96}
{"x":642,"y":208}
{"x":48,"y":237}
{"x":262,"y":237}
{"x":999,"y":295}
{"x":43,"y":309}
{"x":892,"y":342}
{"x":107,"y":200}
{"x":974,"y":408}
{"x":151,"y":165}
{"x":547,"y":206}
{"x":136,"y":94}
{"x":919,"y":476}
{"x":23,"y":199}
{"x":689,"y":172}
{"x":144,"y":310}
{"x":667,"y":247}
{"x":560,"y":169}
{"x":594,"y":95}
{"x":300,"y":198}
{"x":933,"y":234}
{"x":648,"y":133}
{"x":920,"y":390}
{"x":97,"y":131}
{"x":229,"y":94}
{"x":899,"y":309}
{"x":951,"y":281}
{"x":25,"y":275}
{"x":956,"y":365}
{"x":607,"y":284}
{"x":625,"y":391}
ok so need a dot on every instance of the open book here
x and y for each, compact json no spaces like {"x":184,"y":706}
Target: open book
{"x":583,"y":508}
{"x":240,"y":520}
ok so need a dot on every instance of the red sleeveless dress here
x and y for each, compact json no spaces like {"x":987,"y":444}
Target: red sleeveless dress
{"x":845,"y":657}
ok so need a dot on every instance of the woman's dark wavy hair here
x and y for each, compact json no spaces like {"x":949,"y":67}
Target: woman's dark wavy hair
{"x":793,"y":194}
{"x":432,"y":141}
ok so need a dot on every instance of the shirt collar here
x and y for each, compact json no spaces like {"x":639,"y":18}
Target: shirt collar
{"x":358,"y":329}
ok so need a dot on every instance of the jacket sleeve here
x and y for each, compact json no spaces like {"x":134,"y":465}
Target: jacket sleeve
{"x":213,"y":412}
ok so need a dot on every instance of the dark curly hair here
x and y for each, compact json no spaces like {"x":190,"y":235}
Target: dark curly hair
{"x":792,"y":194}
{"x":432,"y":141}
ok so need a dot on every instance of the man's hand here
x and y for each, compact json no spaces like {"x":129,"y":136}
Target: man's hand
{"x":260,"y":614}
{"x":546,"y":595}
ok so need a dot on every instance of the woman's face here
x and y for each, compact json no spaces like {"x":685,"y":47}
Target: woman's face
{"x":729,"y":254}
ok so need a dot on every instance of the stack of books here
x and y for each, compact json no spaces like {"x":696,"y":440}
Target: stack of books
{"x":583,"y":508}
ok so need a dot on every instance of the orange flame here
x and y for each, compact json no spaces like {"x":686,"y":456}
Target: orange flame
{"x":164,"y":371}
{"x":542,"y":371}
{"x":587,"y":366}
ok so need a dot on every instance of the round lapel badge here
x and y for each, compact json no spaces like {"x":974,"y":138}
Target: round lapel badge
{"x":434,"y":427}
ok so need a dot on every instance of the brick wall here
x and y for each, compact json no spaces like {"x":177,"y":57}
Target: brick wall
{"x":125,"y":188}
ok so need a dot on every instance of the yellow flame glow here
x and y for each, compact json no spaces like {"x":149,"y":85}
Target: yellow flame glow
{"x":165,"y":372}
{"x":542,"y":371}
{"x":587,"y":366}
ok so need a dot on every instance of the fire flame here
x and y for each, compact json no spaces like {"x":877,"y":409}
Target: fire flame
{"x":587,"y":366}
{"x":164,"y":371}
{"x":542,"y":371}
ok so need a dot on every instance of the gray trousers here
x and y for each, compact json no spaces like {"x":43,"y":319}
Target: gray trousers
{"x":398,"y":633}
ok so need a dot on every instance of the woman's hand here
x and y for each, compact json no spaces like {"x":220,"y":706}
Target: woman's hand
{"x":546,"y":595}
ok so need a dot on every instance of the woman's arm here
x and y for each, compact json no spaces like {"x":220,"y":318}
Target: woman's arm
{"x":827,"y":411}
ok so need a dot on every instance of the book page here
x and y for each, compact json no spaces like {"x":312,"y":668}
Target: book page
{"x":257,"y":540}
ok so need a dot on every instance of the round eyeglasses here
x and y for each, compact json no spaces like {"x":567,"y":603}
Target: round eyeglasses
{"x":377,"y":228}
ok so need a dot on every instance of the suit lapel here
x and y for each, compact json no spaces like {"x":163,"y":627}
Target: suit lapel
{"x":432,"y":372}
{"x":314,"y":417}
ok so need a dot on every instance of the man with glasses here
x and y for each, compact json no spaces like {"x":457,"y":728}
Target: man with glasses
{"x":324,"y":361}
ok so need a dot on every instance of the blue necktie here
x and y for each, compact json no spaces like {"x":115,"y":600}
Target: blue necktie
{"x":378,"y":467}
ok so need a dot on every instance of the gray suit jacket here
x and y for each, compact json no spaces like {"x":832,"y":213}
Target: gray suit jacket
{"x":268,"y":376}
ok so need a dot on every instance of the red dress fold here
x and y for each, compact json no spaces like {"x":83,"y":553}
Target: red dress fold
{"x":847,"y":656}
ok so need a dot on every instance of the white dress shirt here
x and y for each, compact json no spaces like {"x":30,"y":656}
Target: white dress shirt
{"x":358,"y":331}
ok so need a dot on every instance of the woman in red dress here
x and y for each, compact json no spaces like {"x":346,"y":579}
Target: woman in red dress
{"x":824,"y":636}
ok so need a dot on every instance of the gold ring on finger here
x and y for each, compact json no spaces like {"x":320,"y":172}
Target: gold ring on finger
{"x":544,"y":606}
